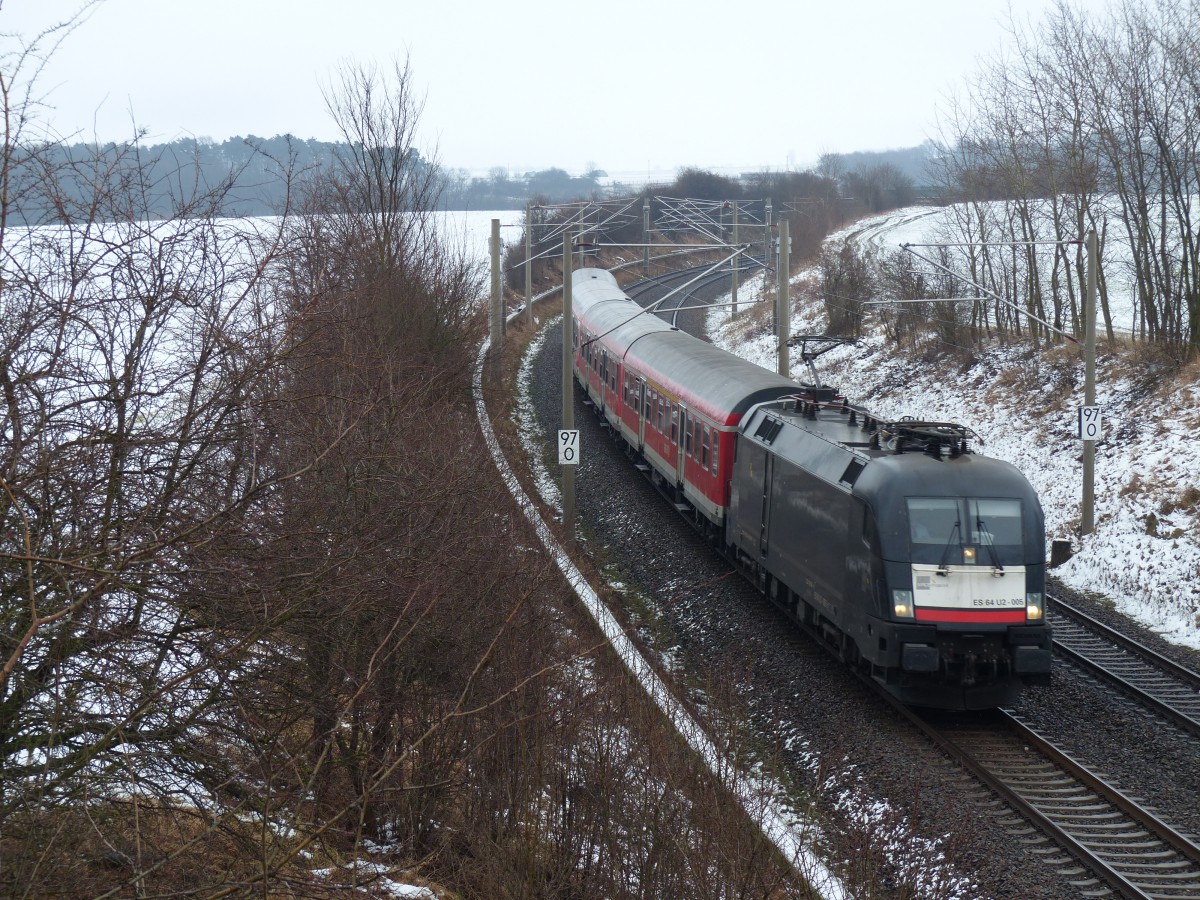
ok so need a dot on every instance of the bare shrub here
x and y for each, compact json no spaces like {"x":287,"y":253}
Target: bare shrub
{"x":848,"y":282}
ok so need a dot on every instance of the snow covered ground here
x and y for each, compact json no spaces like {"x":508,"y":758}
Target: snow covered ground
{"x":1144,"y":554}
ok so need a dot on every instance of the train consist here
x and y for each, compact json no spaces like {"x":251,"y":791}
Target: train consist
{"x":919,"y":560}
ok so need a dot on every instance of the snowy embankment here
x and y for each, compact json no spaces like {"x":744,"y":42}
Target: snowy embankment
{"x":1144,"y":554}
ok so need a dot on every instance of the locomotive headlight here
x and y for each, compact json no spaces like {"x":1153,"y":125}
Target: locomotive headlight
{"x":902,"y":604}
{"x":1034,"y":606}
{"x":969,"y":556}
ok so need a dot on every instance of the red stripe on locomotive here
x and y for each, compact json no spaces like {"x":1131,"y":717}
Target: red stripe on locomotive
{"x":969,"y":615}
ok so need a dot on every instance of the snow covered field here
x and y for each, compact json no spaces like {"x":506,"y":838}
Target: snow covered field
{"x":1144,"y":555}
{"x":470,"y":230}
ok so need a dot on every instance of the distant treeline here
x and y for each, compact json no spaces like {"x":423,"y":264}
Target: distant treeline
{"x":501,"y":189}
{"x":263,"y":175}
{"x":266,"y":177}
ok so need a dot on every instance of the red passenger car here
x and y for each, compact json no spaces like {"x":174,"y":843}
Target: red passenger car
{"x":674,"y":400}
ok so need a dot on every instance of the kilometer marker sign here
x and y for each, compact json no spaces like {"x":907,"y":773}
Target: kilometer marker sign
{"x":1090,"y":419}
{"x":568,"y":447}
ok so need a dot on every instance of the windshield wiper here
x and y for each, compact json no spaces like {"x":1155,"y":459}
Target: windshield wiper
{"x":942,"y":569}
{"x":985,"y":538}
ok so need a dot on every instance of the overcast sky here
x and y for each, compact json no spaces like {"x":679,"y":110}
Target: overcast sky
{"x":631,"y":86}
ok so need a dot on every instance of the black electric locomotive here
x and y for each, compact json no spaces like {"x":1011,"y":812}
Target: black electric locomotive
{"x":919,"y":559}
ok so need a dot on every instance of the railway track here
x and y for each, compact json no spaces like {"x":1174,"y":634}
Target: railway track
{"x":1110,"y":834}
{"x":645,"y":291}
{"x":1106,"y":842}
{"x":1172,"y":691}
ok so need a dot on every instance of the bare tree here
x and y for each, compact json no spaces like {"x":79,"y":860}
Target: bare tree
{"x":138,"y":357}
{"x":1089,"y":122}
{"x":880,"y":186}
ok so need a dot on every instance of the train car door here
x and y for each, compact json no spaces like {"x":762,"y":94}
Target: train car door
{"x":643,"y":413}
{"x":764,"y":527}
{"x":603,"y":388}
{"x":679,"y":421}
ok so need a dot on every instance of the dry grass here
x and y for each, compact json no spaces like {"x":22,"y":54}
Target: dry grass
{"x":1134,"y":487}
{"x":135,"y":850}
{"x":1187,"y":501}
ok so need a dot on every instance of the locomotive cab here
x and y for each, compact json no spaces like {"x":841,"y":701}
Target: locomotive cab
{"x":923,"y":562}
{"x":960,"y":578}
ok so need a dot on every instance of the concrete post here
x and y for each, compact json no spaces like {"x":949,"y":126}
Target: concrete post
{"x":767,"y":240}
{"x":1087,"y":510}
{"x":529,"y":265}
{"x":497,"y":330}
{"x":568,"y":393}
{"x":783,"y":305}
{"x":737,"y":261}
{"x":646,"y":236}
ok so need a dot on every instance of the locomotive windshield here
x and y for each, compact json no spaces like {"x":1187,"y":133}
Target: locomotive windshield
{"x":965,"y":530}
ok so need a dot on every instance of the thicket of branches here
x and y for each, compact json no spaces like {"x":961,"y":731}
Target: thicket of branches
{"x":1088,"y":123}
